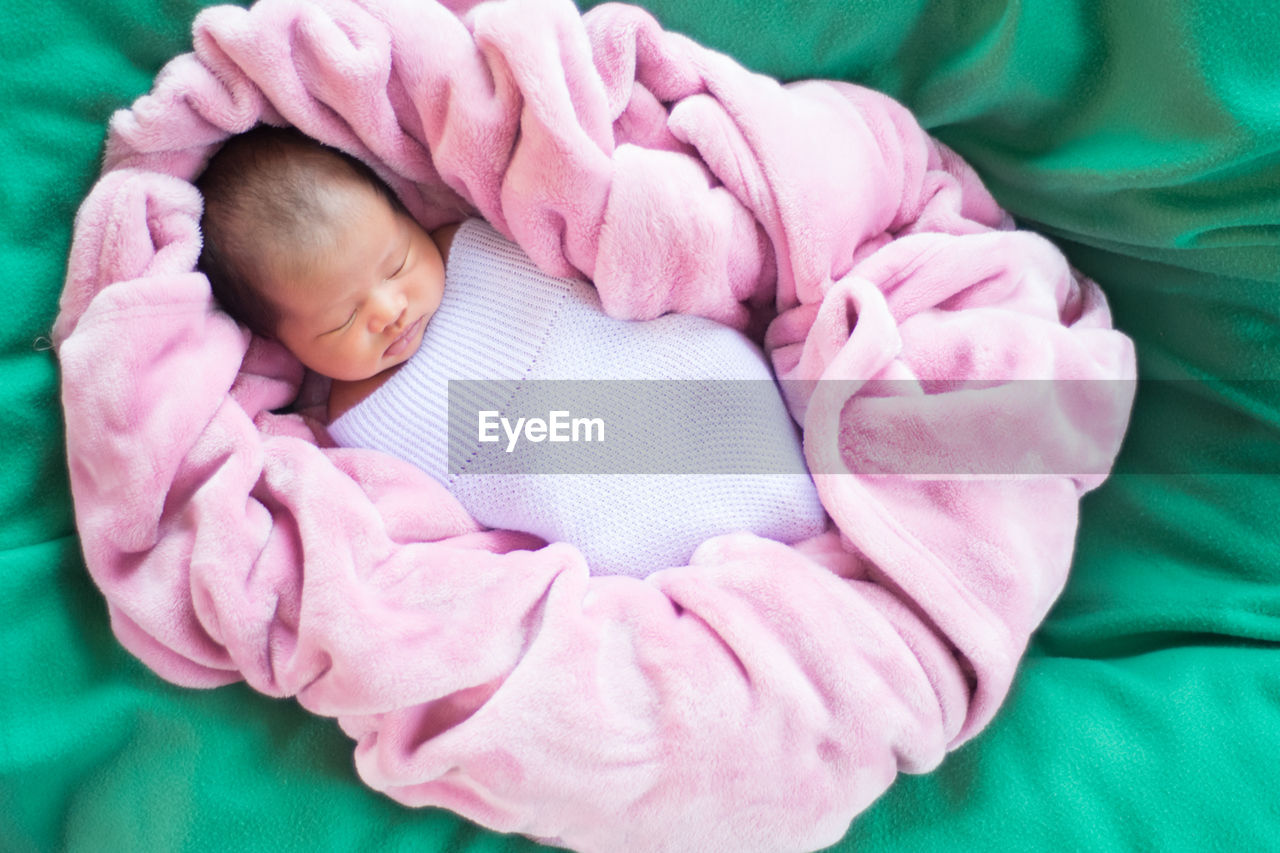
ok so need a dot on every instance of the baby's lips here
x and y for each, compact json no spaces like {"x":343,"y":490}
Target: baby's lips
{"x":402,"y":343}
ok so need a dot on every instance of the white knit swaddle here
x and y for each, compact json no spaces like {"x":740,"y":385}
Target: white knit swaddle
{"x":501,"y":318}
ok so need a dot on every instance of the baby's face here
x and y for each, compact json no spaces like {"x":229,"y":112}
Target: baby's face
{"x":364,"y":307}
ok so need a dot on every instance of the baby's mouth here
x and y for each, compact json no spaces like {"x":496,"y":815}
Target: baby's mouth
{"x":405,"y":339}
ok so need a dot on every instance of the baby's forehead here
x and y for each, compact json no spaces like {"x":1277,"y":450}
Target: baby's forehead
{"x":348,"y":227}
{"x":335,"y":198}
{"x":335,"y":212}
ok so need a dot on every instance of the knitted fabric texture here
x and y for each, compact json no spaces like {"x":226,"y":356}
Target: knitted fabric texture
{"x":692,"y":469}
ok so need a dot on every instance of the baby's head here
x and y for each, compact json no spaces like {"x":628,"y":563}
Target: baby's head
{"x":306,"y":245}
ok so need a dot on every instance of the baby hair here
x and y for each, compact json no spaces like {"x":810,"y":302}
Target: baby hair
{"x":270,"y":206}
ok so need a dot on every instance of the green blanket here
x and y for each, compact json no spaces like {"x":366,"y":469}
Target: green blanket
{"x":1143,"y":136}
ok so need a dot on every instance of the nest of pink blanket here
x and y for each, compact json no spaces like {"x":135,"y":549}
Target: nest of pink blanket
{"x":756,"y":699}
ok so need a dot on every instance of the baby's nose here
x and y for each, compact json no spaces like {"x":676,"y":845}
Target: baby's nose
{"x":389,"y":308}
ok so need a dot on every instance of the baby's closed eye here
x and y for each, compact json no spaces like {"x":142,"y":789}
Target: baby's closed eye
{"x":404,"y":263}
{"x":351,"y":318}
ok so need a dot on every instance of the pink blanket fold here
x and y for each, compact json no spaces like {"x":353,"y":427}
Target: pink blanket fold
{"x":755,"y":700}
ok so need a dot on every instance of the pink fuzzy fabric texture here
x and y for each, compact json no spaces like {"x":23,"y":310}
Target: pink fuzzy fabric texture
{"x":755,"y":700}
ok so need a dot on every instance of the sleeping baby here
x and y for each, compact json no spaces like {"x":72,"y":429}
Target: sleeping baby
{"x":306,"y":245}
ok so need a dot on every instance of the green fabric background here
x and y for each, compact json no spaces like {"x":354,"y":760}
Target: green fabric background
{"x":1144,"y":136}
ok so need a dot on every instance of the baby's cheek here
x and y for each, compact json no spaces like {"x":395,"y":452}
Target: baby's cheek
{"x":354,"y":349}
{"x":369,"y":350}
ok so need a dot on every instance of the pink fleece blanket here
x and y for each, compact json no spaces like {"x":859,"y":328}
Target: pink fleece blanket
{"x":755,"y":700}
